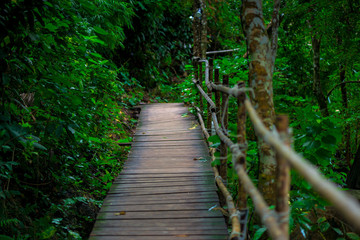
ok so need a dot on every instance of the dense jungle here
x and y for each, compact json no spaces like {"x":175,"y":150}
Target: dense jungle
{"x":74,"y":71}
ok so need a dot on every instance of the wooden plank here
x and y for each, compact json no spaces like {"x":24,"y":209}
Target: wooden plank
{"x":186,"y":226}
{"x":178,"y":171}
{"x":174,"y":154}
{"x":216,"y":223}
{"x":190,"y":147}
{"x":149,"y":159}
{"x":189,"y":178}
{"x":171,"y":167}
{"x":116,"y":199}
{"x":213,"y":200}
{"x":141,"y":232}
{"x":174,"y":196}
{"x":159,"y":215}
{"x":162,"y":184}
{"x":158,"y":207}
{"x":167,"y":132}
{"x":196,"y":143}
{"x":204,"y":164}
{"x":155,"y":150}
{"x":141,"y":178}
{"x":170,"y":187}
{"x":167,"y":138}
{"x":179,"y":237}
{"x":167,"y":190}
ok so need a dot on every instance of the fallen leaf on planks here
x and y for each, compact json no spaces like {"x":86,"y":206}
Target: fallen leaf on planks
{"x":193,"y":127}
{"x":120,"y":213}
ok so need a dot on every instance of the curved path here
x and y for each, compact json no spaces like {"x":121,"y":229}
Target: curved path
{"x":167,"y":186}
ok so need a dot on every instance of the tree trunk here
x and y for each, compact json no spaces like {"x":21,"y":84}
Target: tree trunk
{"x":262,"y":47}
{"x":196,"y":29}
{"x":345,"y":105}
{"x":353,"y":180}
{"x":203,"y":31}
{"x":317,"y":89}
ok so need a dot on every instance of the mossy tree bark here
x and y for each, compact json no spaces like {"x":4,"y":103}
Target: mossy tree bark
{"x":262,"y":48}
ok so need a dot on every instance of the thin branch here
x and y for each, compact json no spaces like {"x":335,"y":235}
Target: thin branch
{"x":337,"y":85}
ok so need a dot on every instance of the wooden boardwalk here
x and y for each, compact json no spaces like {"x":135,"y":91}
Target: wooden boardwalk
{"x":167,"y":186}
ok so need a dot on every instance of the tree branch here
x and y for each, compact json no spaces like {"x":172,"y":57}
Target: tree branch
{"x":339,"y":84}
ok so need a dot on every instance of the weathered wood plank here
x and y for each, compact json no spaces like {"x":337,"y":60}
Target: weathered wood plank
{"x":158,"y":207}
{"x":159,"y":215}
{"x":167,"y":172}
{"x":187,"y":226}
{"x":167,"y":132}
{"x":110,"y":200}
{"x":115,"y":201}
{"x":141,"y":232}
{"x":191,"y":237}
{"x":216,"y":223}
{"x":187,"y":196}
{"x":160,"y":191}
{"x":123,"y":179}
{"x":166,"y":138}
{"x":162,"y":184}
{"x":196,"y":143}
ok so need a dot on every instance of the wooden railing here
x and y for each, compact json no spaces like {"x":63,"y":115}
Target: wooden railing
{"x":276,"y":222}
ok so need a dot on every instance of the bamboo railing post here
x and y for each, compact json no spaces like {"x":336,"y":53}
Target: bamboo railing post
{"x":209,"y":119}
{"x":200,"y":79}
{"x":241,"y":140}
{"x":283,"y":176}
{"x":224,"y":125}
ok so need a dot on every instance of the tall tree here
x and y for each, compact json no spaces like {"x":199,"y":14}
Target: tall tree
{"x":262,"y":45}
{"x":316,"y":46}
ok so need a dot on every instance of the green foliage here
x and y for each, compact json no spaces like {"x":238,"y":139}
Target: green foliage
{"x":63,"y":109}
{"x":158,"y":43}
{"x":320,"y":140}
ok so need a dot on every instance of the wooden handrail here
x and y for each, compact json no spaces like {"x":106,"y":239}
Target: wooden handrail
{"x":222,"y":51}
{"x":345,"y":204}
{"x":212,"y":104}
{"x":234,"y":217}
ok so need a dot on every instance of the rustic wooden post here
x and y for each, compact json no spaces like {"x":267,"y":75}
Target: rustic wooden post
{"x":196,"y":69}
{"x":224,"y":123}
{"x":196,"y":72}
{"x":218,"y":113}
{"x":200,"y":79}
{"x":217,"y":94}
{"x":241,"y":140}
{"x":283,"y":177}
{"x":209,"y":119}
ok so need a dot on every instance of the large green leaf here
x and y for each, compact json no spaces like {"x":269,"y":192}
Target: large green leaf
{"x":259,"y":233}
{"x":100,"y":30}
